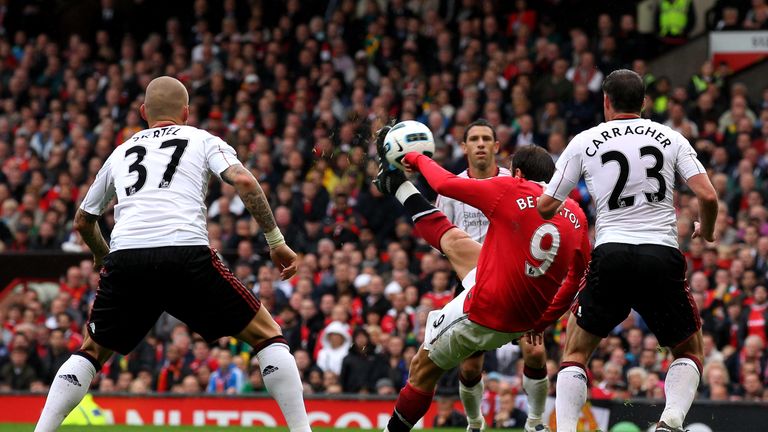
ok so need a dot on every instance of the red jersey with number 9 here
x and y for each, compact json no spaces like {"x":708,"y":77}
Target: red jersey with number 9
{"x":524,"y":259}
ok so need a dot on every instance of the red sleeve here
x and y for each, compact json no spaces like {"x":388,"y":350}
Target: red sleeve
{"x":567,"y":292}
{"x":471,"y":191}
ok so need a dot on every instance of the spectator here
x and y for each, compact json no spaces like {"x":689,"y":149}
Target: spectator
{"x":336,"y":346}
{"x":227,"y":378}
{"x":362,"y":368}
{"x":17,"y":374}
{"x":56,"y":353}
{"x":447,"y":416}
{"x":509,"y":416}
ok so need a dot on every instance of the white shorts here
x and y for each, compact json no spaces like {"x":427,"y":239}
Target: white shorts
{"x":450,"y":336}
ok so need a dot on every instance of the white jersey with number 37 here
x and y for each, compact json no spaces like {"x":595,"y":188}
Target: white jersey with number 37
{"x":160,"y":177}
{"x":629,"y":166}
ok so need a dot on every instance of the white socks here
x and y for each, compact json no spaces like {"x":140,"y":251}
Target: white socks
{"x":571,"y":396}
{"x":281,"y":377}
{"x":680,"y":388}
{"x":472,"y":398}
{"x":67,"y":390}
{"x":537,"y":390}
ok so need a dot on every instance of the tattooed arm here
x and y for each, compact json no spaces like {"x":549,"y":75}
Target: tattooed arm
{"x":252,"y":195}
{"x":85,"y":224}
{"x":256,"y":202}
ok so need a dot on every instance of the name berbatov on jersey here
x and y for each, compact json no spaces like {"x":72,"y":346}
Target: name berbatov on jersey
{"x":530,"y":202}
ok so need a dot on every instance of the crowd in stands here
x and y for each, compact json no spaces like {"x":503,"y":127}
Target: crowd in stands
{"x":295,"y":89}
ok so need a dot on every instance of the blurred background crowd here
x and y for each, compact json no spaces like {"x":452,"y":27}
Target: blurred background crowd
{"x":294,"y":87}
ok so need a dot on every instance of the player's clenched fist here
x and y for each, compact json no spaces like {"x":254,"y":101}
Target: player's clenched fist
{"x":285,"y":259}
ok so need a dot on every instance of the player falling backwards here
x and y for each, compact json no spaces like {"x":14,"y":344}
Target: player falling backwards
{"x":509,"y":285}
{"x":629,"y":164}
{"x":159,"y":259}
{"x":480,"y":145}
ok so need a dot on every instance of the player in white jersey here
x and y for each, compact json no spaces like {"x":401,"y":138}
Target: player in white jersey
{"x":629,"y":165}
{"x":159,"y":259}
{"x":481,"y":146}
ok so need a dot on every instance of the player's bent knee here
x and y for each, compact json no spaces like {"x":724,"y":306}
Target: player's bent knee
{"x":261,"y":328}
{"x":94,"y":352}
{"x":267,"y":342}
{"x":693,"y":348}
{"x":535,"y":357}
{"x":471,"y":368}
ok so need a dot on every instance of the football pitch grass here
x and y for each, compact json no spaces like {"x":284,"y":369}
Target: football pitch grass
{"x":29,"y":427}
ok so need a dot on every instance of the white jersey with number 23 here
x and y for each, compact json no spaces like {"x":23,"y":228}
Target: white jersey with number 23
{"x":629,"y":166}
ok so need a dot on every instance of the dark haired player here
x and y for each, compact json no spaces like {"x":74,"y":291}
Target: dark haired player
{"x":510,"y":281}
{"x":629,"y":164}
{"x":481,"y":146}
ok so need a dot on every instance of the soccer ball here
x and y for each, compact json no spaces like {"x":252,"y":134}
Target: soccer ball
{"x":405,"y":137}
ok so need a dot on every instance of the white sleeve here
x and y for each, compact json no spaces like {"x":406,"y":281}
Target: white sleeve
{"x":445,"y":205}
{"x":567,"y":172}
{"x":101,"y":191}
{"x":219,"y":155}
{"x":687,"y":164}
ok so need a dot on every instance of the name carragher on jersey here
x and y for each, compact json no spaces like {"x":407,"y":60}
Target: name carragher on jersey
{"x":628,"y":130}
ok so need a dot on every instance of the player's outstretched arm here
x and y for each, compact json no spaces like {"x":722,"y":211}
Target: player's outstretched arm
{"x":85,"y":224}
{"x":482,"y":195}
{"x":255,"y":201}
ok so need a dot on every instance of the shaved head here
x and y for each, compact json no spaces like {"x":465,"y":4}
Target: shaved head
{"x":166,"y":98}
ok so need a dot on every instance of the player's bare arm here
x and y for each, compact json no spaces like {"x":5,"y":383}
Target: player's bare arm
{"x":86,"y":224}
{"x":707,"y":196}
{"x":547,"y":206}
{"x":255,"y":201}
{"x":252,"y":195}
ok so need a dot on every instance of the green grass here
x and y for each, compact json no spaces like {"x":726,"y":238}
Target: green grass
{"x":29,"y":428}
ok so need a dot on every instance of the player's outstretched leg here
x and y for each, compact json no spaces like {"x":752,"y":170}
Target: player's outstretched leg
{"x":278,"y":367}
{"x":71,"y":383}
{"x":416,"y":397}
{"x":535,"y":384}
{"x":681,"y":383}
{"x":471,"y":391}
{"x":572,"y":378}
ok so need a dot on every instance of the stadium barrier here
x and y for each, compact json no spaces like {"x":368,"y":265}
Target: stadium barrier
{"x":340,"y":411}
{"x":739,"y":49}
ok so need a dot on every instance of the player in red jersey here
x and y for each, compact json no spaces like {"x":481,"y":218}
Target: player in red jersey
{"x":520,"y":268}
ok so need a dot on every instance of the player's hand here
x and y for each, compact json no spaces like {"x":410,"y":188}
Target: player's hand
{"x":285,"y":259}
{"x":98,"y":263}
{"x":697,"y":233}
{"x":534,"y":338}
{"x":408,"y":168}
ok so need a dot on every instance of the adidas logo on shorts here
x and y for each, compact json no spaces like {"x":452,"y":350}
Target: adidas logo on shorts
{"x":269,"y":369}
{"x":72,"y":379}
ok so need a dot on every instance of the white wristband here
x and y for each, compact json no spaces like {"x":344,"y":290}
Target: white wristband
{"x":274,"y":238}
